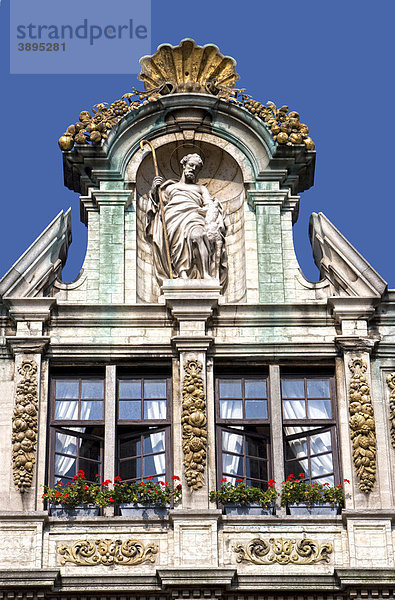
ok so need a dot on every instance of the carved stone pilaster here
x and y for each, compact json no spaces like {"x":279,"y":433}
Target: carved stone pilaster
{"x":362,"y":426}
{"x":194,"y":424}
{"x":25,"y":425}
{"x":391,"y":385}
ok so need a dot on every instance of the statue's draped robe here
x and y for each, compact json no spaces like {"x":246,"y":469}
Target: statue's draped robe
{"x":181,"y":207}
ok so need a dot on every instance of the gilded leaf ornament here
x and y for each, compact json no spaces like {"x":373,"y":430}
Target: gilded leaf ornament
{"x":283,"y":551}
{"x":391,"y":385}
{"x":194,"y":424}
{"x":24,"y":426}
{"x":107,"y":552}
{"x":186,"y":68}
{"x":362,"y":426}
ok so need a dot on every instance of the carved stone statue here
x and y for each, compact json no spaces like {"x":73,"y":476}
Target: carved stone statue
{"x":194,"y":224}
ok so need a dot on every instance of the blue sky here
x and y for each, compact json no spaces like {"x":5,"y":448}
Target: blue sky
{"x":332,"y":62}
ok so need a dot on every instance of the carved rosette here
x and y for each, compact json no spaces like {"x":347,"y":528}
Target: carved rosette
{"x":107,"y":552}
{"x":24,"y":426}
{"x":391,"y":385}
{"x":194,"y":424}
{"x":362,"y":426}
{"x":283,"y":551}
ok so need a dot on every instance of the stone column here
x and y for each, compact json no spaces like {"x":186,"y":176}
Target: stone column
{"x":191,"y":303}
{"x":112,"y":205}
{"x":274,"y":210}
{"x":28,"y":434}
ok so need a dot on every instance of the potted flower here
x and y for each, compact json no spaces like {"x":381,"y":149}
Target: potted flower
{"x":76,"y":498}
{"x":304,"y":498}
{"x":145,"y":498}
{"x":240,"y":499}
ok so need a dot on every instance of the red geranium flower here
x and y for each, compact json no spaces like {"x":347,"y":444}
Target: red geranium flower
{"x":117,"y":478}
{"x":224,"y":480}
{"x":176,"y":477}
{"x":111,"y":499}
{"x":239,"y":480}
{"x":302,"y":475}
{"x":346,"y":481}
{"x":179,"y":487}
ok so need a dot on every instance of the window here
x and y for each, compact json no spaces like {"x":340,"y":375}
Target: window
{"x":143,"y":427}
{"x":137,"y":414}
{"x":243,"y":430}
{"x":248,"y":434}
{"x":309,"y":428}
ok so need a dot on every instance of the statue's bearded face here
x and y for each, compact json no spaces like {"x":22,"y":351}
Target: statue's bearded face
{"x":191,"y":169}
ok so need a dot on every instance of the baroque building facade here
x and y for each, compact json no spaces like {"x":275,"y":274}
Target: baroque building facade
{"x":192,"y":344}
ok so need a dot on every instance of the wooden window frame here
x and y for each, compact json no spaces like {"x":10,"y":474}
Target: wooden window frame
{"x":243,"y":420}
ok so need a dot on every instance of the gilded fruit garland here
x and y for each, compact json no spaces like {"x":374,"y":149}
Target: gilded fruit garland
{"x":24,"y":426}
{"x":107,"y":552}
{"x":283,"y":551}
{"x":194,"y":424}
{"x":186,"y":68}
{"x":362,"y":426}
{"x":391,"y":384}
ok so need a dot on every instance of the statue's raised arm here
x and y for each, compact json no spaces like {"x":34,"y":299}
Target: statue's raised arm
{"x":195,"y":227}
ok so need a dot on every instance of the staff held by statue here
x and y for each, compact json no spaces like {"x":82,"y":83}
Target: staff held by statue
{"x":162,"y":211}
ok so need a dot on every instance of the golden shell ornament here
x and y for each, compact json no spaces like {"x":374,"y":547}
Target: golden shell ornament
{"x":186,"y":68}
{"x":189,"y":68}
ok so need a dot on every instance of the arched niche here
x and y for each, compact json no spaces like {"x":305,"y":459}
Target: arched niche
{"x":222,"y":175}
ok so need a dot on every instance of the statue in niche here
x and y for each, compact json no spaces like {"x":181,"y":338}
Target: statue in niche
{"x":194,"y":224}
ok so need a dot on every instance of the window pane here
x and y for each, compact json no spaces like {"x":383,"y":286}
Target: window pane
{"x":65,"y":410}
{"x":91,"y":410}
{"x":130,"y":469}
{"x":318,"y":388}
{"x":232,"y":442}
{"x":65,"y":443}
{"x":130,"y":447}
{"x":255,"y":448}
{"x":256,"y":409}
{"x":155,"y":409}
{"x":155,"y":442}
{"x":320,"y":465}
{"x":321,"y":442}
{"x":90,"y":468}
{"x":155,"y":389}
{"x":327,"y":479}
{"x":296,"y":448}
{"x":296,"y":467}
{"x":231,"y":409}
{"x":255,"y":389}
{"x":294,"y":409}
{"x":230,"y":388}
{"x":319,"y":409}
{"x":130,"y":388}
{"x":67,"y":389}
{"x":65,"y":466}
{"x":154,"y":465}
{"x":232,"y":464}
{"x":256,"y":469}
{"x":91,"y":389}
{"x":90,"y":449}
{"x":293,"y":388}
{"x":129,"y":410}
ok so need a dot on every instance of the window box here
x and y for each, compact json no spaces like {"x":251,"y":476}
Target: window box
{"x":68,"y":512}
{"x":253,"y":509}
{"x":316,"y":508}
{"x":144,"y":511}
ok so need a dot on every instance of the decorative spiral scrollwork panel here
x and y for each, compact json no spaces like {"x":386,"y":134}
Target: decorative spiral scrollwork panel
{"x":107,"y":552}
{"x":283,"y":551}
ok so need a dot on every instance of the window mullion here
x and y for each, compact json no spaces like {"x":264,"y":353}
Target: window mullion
{"x":110,"y":404}
{"x":276,"y":427}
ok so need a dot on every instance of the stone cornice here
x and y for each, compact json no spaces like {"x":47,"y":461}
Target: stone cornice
{"x":354,"y":343}
{"x":27,"y":345}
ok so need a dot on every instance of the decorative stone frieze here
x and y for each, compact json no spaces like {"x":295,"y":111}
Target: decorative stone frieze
{"x":283,"y":551}
{"x":107,"y":552}
{"x":24,"y":426}
{"x":194,"y":424}
{"x":362,"y":426}
{"x":391,"y":385}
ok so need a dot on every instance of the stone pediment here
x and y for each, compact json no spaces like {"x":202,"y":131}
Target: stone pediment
{"x":340,"y":263}
{"x":38,"y":267}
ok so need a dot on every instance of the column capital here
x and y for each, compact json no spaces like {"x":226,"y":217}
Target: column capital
{"x":355,"y":343}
